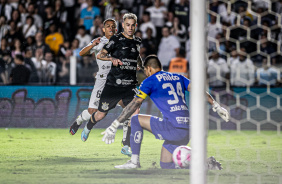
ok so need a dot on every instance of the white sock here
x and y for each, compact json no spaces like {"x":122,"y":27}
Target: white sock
{"x":134,"y":159}
{"x":125,"y":128}
{"x":84,"y":116}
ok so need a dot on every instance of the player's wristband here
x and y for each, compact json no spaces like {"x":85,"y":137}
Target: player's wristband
{"x":115,"y":124}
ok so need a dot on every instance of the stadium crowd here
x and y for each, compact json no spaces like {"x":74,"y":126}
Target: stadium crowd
{"x":244,"y":38}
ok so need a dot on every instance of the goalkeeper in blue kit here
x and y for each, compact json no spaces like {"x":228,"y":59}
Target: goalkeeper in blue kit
{"x":167,"y":91}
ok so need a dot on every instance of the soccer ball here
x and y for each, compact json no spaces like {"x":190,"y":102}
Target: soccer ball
{"x":182,"y":156}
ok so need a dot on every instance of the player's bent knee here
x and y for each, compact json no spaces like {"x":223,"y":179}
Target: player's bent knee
{"x":91,"y":110}
{"x":167,"y":165}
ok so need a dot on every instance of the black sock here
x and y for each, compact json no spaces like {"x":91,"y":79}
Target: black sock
{"x":91,"y":122}
{"x":127,"y":139}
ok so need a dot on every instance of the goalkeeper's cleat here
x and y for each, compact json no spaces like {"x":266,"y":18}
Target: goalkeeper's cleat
{"x":74,"y":127}
{"x":85,"y":134}
{"x":128,"y":165}
{"x":213,"y":164}
{"x":126,"y":150}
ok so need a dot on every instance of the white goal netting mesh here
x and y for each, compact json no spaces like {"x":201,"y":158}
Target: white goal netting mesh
{"x":244,"y":70}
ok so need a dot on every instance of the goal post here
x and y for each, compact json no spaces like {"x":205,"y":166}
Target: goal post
{"x":198,"y":112}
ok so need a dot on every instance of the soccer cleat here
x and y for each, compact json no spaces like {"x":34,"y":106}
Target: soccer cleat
{"x":213,"y":164}
{"x":85,"y":134}
{"x":126,"y":150}
{"x":74,"y":127}
{"x":128,"y":165}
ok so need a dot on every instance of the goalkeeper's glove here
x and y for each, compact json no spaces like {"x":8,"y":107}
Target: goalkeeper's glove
{"x":110,"y":132}
{"x":223,"y":113}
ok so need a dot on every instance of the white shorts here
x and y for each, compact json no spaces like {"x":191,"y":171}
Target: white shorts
{"x":96,"y":93}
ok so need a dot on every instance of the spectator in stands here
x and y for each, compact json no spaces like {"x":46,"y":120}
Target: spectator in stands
{"x":39,"y":43}
{"x":61,"y":17}
{"x":181,"y":11}
{"x":146,"y":23}
{"x":49,"y":18}
{"x":29,"y":64}
{"x":217,"y":70}
{"x":37,"y":18}
{"x":267,"y":75}
{"x":213,"y":29}
{"x":20,"y":73}
{"x":23,"y":12}
{"x":110,"y":8}
{"x":54,"y":39}
{"x":5,"y":9}
{"x":187,"y":46}
{"x":242,"y":70}
{"x":83,"y":37}
{"x":150,"y":43}
{"x":75,"y":49}
{"x":179,"y":31}
{"x":3,"y":27}
{"x":179,"y":64}
{"x":16,"y":17}
{"x":29,"y":28}
{"x":51,"y":67}
{"x":169,"y":21}
{"x":39,"y":64}
{"x":233,"y":57}
{"x":13,"y":33}
{"x":97,"y":29}
{"x":88,"y":14}
{"x":168,"y":48}
{"x":17,"y":48}
{"x":158,"y":15}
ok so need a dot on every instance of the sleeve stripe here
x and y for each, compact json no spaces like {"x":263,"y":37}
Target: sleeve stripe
{"x":142,"y":95}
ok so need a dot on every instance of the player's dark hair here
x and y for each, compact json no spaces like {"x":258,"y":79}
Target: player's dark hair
{"x":152,"y":61}
{"x":109,"y":19}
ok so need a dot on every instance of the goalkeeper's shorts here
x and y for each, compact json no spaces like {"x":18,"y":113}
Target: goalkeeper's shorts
{"x":163,"y":130}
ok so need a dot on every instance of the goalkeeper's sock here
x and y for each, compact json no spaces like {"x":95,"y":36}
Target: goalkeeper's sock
{"x":91,"y":122}
{"x":167,"y":165}
{"x":135,"y":159}
{"x":136,"y":136}
{"x":84,"y":116}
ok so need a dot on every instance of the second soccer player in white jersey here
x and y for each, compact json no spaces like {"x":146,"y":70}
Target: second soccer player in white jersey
{"x":95,"y":46}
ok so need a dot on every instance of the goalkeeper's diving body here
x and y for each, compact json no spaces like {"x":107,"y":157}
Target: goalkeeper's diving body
{"x":167,"y":91}
{"x":95,"y":46}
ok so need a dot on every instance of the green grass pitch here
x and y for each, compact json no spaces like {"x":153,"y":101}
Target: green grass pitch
{"x":54,"y":156}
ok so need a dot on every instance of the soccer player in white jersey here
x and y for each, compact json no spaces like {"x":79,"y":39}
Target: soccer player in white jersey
{"x":167,"y":91}
{"x":95,"y":46}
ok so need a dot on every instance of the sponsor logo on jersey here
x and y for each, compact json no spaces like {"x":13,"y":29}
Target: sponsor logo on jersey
{"x":103,"y":67}
{"x":96,"y":103}
{"x":138,"y":137}
{"x":101,"y":76}
{"x":124,"y":82}
{"x":166,"y":77}
{"x":178,"y":108}
{"x":105,"y":106}
{"x":133,"y":50}
{"x":182,"y":120}
{"x":130,"y":60}
{"x":121,"y":38}
{"x":110,"y":43}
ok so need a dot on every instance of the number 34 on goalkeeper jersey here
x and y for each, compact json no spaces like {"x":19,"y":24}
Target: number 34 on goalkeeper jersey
{"x":167,"y":92}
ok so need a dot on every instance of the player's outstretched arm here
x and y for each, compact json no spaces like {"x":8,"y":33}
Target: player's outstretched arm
{"x":86,"y":50}
{"x":222,"y":112}
{"x":103,"y":55}
{"x":110,"y":132}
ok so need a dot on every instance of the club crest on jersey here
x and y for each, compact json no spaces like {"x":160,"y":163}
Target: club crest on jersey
{"x":118,"y":81}
{"x":105,"y":106}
